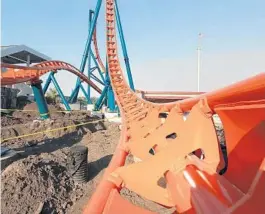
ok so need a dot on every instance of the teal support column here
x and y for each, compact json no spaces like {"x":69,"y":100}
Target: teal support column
{"x":59,"y":91}
{"x":40,"y":99}
{"x":89,"y":58}
{"x":73,"y":97}
{"x":48,"y":81}
{"x":111,"y":100}
{"x":119,"y":113}
{"x":98,"y":67}
{"x":101,"y":99}
{"x":123,"y":45}
{"x":110,"y":94}
{"x":84,"y":92}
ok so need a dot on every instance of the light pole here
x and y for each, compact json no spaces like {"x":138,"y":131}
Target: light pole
{"x":199,"y":61}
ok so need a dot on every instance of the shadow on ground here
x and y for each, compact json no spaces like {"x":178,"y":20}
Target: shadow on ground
{"x":95,"y":167}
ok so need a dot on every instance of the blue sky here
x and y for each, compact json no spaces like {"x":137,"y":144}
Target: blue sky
{"x":161,"y":38}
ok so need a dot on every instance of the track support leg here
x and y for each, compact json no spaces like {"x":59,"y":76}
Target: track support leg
{"x":40,"y":99}
{"x":59,"y":91}
{"x":111,"y":100}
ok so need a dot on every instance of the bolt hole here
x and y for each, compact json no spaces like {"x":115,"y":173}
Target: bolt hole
{"x":162,"y":115}
{"x":199,"y":153}
{"x":162,"y":182}
{"x":152,"y":150}
{"x":171,"y":136}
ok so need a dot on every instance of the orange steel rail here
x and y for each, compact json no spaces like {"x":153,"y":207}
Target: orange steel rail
{"x":12,"y":74}
{"x":193,"y":182}
{"x":167,"y":96}
{"x":170,"y":92}
{"x":97,"y":55}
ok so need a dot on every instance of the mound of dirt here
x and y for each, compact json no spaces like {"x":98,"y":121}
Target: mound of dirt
{"x":7,"y":120}
{"x":33,"y":107}
{"x":30,"y":113}
{"x":49,"y":129}
{"x":39,"y":181}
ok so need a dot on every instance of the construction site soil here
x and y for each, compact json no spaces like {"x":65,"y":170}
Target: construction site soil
{"x":38,"y":180}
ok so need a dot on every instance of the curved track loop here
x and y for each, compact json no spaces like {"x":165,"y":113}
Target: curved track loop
{"x":12,"y":74}
{"x":189,"y":162}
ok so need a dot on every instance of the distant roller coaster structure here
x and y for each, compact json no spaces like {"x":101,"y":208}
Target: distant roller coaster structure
{"x":100,"y":84}
{"x":89,"y":56}
{"x":97,"y":76}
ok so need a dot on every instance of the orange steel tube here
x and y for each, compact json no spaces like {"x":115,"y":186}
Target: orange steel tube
{"x":17,"y":74}
{"x":250,"y":89}
{"x":170,"y":92}
{"x":132,"y":107}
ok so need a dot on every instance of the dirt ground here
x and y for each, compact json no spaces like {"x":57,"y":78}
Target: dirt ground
{"x":38,"y":180}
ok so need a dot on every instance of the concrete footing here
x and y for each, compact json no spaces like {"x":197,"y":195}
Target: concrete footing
{"x":90,"y":107}
{"x":112,"y":117}
{"x":73,"y":106}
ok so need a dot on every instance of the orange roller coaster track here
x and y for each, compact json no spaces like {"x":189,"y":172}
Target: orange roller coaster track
{"x":97,"y":55}
{"x":12,"y":74}
{"x":193,"y":181}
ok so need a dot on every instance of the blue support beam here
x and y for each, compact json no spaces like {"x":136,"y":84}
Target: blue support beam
{"x":84,"y":92}
{"x":40,"y":99}
{"x":47,"y":83}
{"x":111,"y":100}
{"x":88,"y":76}
{"x":110,"y":94}
{"x":73,"y":97}
{"x":118,"y":110}
{"x":97,"y":65}
{"x":75,"y":89}
{"x":124,"y":49}
{"x":101,"y":99}
{"x":92,"y":69}
{"x":89,"y":58}
{"x":59,"y":91}
{"x":96,"y":79}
